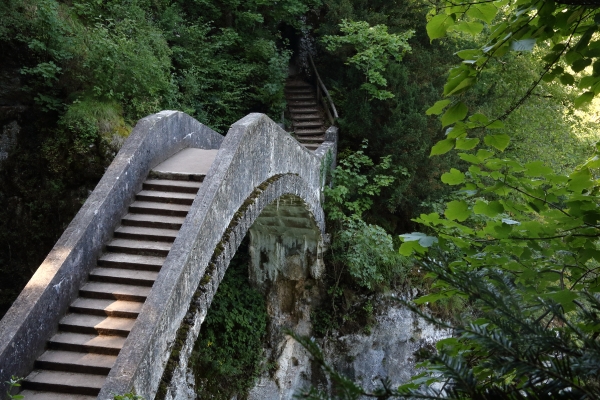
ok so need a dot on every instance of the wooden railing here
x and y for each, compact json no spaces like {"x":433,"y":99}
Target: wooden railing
{"x":332,"y":113}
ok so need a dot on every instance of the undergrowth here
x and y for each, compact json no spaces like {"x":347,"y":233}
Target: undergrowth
{"x":228,"y":355}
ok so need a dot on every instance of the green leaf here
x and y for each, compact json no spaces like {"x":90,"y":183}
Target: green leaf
{"x":469,"y":54}
{"x":430,"y":298}
{"x":497,"y":124}
{"x":455,"y":113}
{"x":500,"y":141}
{"x":490,"y":209}
{"x":567,"y":79}
{"x":479,"y":118}
{"x":458,"y":130}
{"x":584,"y":99}
{"x":466,"y":143}
{"x":408,"y":248}
{"x":484,"y":154}
{"x":461,"y":87}
{"x":581,"y":64}
{"x":522,"y":45}
{"x":438,"y":25}
{"x":457,"y":210}
{"x":470,"y":158}
{"x":587,"y":81}
{"x":580,"y":180}
{"x":454,"y":177}
{"x":564,"y":298}
{"x":437,"y":108}
{"x":423,"y":239}
{"x":472,"y":28}
{"x":483,"y":11}
{"x":537,"y":168}
{"x":443,"y":146}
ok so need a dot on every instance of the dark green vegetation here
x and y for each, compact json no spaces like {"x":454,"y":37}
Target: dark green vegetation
{"x":77,"y":75}
{"x":518,"y":242}
{"x":228,"y":355}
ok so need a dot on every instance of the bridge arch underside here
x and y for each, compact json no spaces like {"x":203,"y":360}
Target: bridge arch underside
{"x":285,"y":222}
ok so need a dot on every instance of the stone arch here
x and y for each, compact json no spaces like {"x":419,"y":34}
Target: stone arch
{"x":279,"y":203}
{"x":257,"y":164}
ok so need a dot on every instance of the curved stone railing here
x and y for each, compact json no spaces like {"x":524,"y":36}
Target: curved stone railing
{"x":257,"y":163}
{"x":34,"y":315}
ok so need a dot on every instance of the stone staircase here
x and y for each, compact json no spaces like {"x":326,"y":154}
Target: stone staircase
{"x":80,"y":355}
{"x":306,"y":114}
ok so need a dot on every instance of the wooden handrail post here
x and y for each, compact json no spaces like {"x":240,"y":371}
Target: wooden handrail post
{"x":321,"y":85}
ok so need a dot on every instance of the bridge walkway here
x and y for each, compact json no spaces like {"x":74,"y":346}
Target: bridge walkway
{"x":91,"y":334}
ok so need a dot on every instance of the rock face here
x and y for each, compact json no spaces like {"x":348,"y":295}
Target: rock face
{"x":387,"y":352}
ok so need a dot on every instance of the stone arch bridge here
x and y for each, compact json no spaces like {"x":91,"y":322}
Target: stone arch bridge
{"x":118,"y":303}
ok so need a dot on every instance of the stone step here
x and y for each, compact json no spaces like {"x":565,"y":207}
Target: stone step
{"x":297,"y":84}
{"x":308,"y":124}
{"x":144,"y":233}
{"x":153,"y":221}
{"x":139,"y":247}
{"x":95,"y":324}
{"x":90,"y":343}
{"x":156,"y":208}
{"x":114,"y":291}
{"x":166,"y":197}
{"x":131,"y":261}
{"x":309,"y":132}
{"x":169,"y":185}
{"x":106,"y":307}
{"x":64,"y":382}
{"x":124,"y":276}
{"x":305,"y":117}
{"x":300,"y":96}
{"x":176,"y":176}
{"x":302,"y":104}
{"x":306,"y":139}
{"x":311,"y":146}
{"x":298,"y":90}
{"x":35,"y":395}
{"x":303,"y":110}
{"x":71,"y":361}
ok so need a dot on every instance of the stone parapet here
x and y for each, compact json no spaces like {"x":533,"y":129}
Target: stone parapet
{"x":34,"y":315}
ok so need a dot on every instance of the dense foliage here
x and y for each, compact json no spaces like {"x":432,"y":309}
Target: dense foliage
{"x":77,"y":75}
{"x":228,"y":355}
{"x":519,"y":239}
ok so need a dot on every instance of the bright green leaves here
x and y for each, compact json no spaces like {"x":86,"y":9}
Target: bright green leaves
{"x":483,"y":11}
{"x":375,"y":48}
{"x":466,"y":143}
{"x":472,"y":28}
{"x":537,"y":168}
{"x":443,"y":146}
{"x":499,"y":141}
{"x":523,"y":45}
{"x":457,"y":210}
{"x":584,"y":99}
{"x":423,"y":239}
{"x":455,"y":113}
{"x":437,"y":108}
{"x":438,"y":26}
{"x":490,"y":209}
{"x":454,"y":177}
{"x":460,"y":79}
